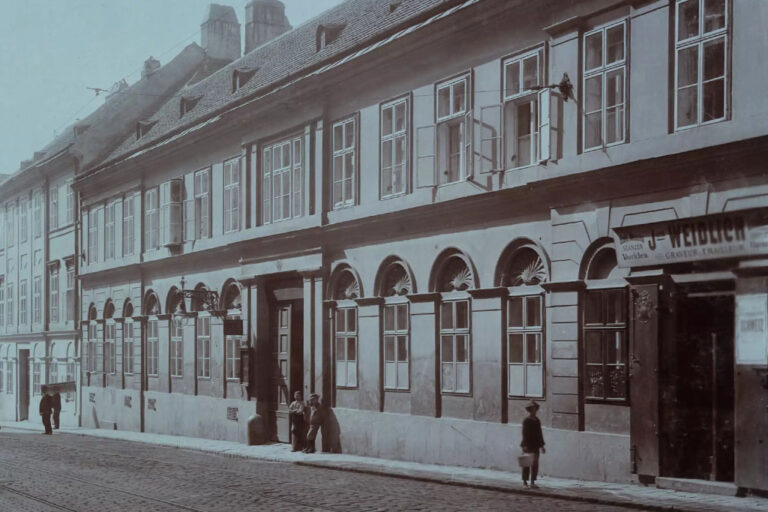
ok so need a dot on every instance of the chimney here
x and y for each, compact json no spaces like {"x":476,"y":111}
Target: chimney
{"x":220,"y":33}
{"x":264,"y":21}
{"x":150,"y":66}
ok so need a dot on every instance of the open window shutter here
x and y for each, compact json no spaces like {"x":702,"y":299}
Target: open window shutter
{"x":490,"y":139}
{"x":469,"y":136}
{"x":544,"y":126}
{"x":425,"y":157}
{"x":189,"y":207}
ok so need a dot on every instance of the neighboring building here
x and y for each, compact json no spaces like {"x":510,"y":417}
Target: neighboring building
{"x":407,"y":219}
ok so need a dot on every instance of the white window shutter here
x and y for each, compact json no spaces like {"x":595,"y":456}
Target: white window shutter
{"x":425,"y":157}
{"x":544,"y":126}
{"x":490,"y":139}
{"x":469,"y":136}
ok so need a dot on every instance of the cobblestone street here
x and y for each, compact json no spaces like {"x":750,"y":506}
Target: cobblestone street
{"x":69,"y":472}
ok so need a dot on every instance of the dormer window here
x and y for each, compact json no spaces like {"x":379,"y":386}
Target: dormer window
{"x":187,"y":103}
{"x":327,"y":34}
{"x":241,"y":76}
{"x":143,"y":127}
{"x":81,"y":129}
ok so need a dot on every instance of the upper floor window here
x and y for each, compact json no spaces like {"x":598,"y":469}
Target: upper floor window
{"x":53,"y":207}
{"x":129,"y":226}
{"x":2,"y":304}
{"x":93,"y":236}
{"x":23,"y":219}
{"x":151,"y":220}
{"x":394,"y":147}
{"x":232,"y":195}
{"x":202,"y":202}
{"x":70,"y":202}
{"x":23,"y":318}
{"x":526,"y":113}
{"x":53,"y":293}
{"x":9,"y":305}
{"x":241,"y":76}
{"x":109,"y":230}
{"x":605,"y":68}
{"x":37,"y":302}
{"x":170,"y":222}
{"x":187,"y":103}
{"x":283,"y":180}
{"x":701,"y":62}
{"x":37,"y":216}
{"x":454,"y":130}
{"x":10,"y":226}
{"x":70,"y":291}
{"x":344,"y":163}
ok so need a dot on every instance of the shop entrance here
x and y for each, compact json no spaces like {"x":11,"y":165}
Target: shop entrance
{"x":699,"y":417}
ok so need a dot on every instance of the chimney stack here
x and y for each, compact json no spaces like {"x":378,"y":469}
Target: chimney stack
{"x":264,"y":21}
{"x":220,"y":33}
{"x":150,"y":66}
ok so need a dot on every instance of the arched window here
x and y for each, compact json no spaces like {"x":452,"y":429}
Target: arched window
{"x":109,"y":337}
{"x":453,"y":276}
{"x":152,"y":309}
{"x":174,"y":305}
{"x":345,"y":287}
{"x":232,"y":303}
{"x":54,"y":367}
{"x":203,"y":335}
{"x":605,"y":311}
{"x":94,"y":345}
{"x":131,"y":345}
{"x":394,"y":284}
{"x":523,"y":270}
{"x":36,"y":362}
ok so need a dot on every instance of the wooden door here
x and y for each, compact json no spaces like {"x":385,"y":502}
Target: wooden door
{"x":643,"y":375}
{"x":23,"y":385}
{"x":283,"y":323}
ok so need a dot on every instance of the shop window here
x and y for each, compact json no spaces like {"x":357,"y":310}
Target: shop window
{"x":204,"y":346}
{"x":395,"y":121}
{"x":396,"y":346}
{"x":605,"y":70}
{"x":454,"y":130}
{"x":605,"y":345}
{"x":344,"y":187}
{"x":701,"y":62}
{"x":282,"y":180}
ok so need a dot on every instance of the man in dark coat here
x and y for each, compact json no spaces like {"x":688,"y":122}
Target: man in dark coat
{"x":46,"y":405}
{"x":315,"y":422}
{"x":56,"y":409}
{"x":533,"y":442}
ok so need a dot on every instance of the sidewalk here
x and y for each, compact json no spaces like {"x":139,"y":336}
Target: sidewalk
{"x":630,"y":495}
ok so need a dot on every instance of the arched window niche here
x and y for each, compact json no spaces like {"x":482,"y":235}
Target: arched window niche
{"x":152,"y":311}
{"x":345,"y":288}
{"x":394,"y":282}
{"x":231,"y":302}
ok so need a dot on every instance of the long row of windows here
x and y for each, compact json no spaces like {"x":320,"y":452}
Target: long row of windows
{"x":605,"y":346}
{"x":34,"y":207}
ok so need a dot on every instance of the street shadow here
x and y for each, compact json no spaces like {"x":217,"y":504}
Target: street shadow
{"x":331,"y":431}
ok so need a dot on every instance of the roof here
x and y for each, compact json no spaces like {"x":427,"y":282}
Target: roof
{"x":287,"y":56}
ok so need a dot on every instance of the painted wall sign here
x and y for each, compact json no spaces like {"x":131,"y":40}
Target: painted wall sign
{"x":752,"y":329}
{"x":724,"y":235}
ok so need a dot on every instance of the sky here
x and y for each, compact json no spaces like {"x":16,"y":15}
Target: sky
{"x":51,"y":51}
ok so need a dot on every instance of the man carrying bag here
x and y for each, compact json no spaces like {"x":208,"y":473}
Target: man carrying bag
{"x":533,"y":442}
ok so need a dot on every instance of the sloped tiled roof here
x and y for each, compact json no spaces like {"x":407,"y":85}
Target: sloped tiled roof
{"x":288,"y":56}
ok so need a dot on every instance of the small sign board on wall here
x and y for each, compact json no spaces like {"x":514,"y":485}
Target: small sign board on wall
{"x":752,"y":329}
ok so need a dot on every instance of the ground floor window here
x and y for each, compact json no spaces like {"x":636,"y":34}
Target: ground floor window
{"x":396,"y":346}
{"x":35,"y":378}
{"x":128,"y":354}
{"x":525,"y":346}
{"x":605,"y":345}
{"x":204,"y":346}
{"x":177,"y":347}
{"x":346,"y":347}
{"x":232,"y":355}
{"x":109,"y":348}
{"x":454,"y":347}
{"x":153,"y":342}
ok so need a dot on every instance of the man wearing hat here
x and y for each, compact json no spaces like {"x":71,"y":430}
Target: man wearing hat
{"x":533,"y":442}
{"x":46,"y":405}
{"x":315,"y":422}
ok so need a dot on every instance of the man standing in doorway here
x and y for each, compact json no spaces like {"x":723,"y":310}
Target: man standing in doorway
{"x":46,"y":405}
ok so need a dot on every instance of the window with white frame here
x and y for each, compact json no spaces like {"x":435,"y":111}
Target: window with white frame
{"x":98,"y":347}
{"x":605,"y":73}
{"x":395,"y":119}
{"x":2,"y":304}
{"x":23,"y":219}
{"x":454,"y":346}
{"x":346,"y":347}
{"x":344,"y":190}
{"x":129,"y":226}
{"x":232,"y":195}
{"x":151,"y":220}
{"x":109,"y":230}
{"x":177,"y":346}
{"x":53,"y":207}
{"x":23,"y":318}
{"x":454,"y":130}
{"x":605,"y":345}
{"x":91,"y":346}
{"x":232,"y":355}
{"x":10,"y":227}
{"x":701,"y":62}
{"x":204,"y":346}
{"x":9,"y":305}
{"x":282,"y":179}
{"x":70,"y":293}
{"x":35,"y":373}
{"x":153,"y":345}
{"x":525,"y":346}
{"x":526,"y":106}
{"x":109,"y":346}
{"x":53,"y":292}
{"x":202,"y":204}
{"x":93,"y":236}
{"x":69,"y":202}
{"x":37,"y":215}
{"x":70,"y":372}
{"x":37,"y":302}
{"x":54,"y":371}
{"x":9,"y":373}
{"x":128,"y":352}
{"x":396,"y":346}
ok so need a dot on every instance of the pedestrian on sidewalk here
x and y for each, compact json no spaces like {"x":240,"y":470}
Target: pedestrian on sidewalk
{"x":56,"y":409}
{"x":533,"y":443}
{"x":315,"y":422}
{"x":46,"y":406}
{"x":298,"y":415}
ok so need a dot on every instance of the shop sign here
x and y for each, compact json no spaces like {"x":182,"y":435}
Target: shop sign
{"x":725,"y":235}
{"x":752,"y":329}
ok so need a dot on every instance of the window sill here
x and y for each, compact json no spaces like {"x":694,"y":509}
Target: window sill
{"x":397,"y":390}
{"x":353,"y":388}
{"x":177,"y":377}
{"x":605,"y":401}
{"x":201,"y":377}
{"x":541,"y":398}
{"x":699,"y":125}
{"x":456,"y":393}
{"x":599,"y":148}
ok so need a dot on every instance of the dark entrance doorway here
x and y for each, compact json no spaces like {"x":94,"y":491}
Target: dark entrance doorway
{"x":287,"y":322}
{"x":699,"y":420}
{"x":23,"y":385}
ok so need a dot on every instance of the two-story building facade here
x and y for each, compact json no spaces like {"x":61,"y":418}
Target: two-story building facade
{"x":431,"y":212}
